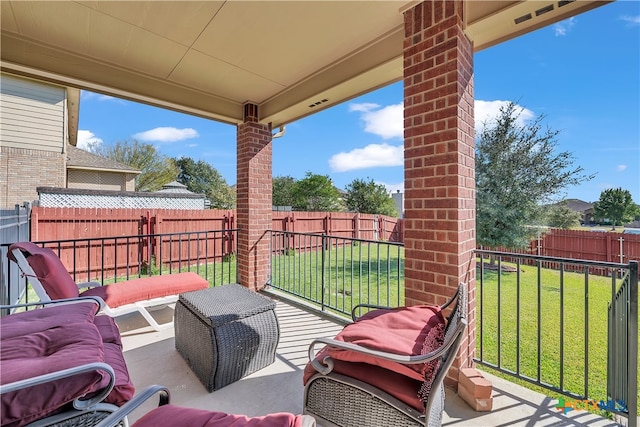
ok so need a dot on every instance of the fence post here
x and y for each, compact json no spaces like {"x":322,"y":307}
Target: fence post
{"x":621,"y":251}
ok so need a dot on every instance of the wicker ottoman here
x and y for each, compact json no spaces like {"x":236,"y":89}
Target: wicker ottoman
{"x":225,"y":333}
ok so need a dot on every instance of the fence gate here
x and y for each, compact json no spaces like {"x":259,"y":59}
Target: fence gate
{"x":14,"y":227}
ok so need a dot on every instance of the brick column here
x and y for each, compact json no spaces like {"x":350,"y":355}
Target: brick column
{"x":439,"y":161}
{"x":254,"y":206}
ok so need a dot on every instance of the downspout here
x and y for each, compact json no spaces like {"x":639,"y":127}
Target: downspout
{"x":279,"y":133}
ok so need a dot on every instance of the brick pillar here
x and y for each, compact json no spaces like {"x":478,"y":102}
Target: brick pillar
{"x":439,"y":161}
{"x":254,"y":206}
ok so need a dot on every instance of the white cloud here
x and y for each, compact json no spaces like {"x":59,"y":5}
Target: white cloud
{"x":373,"y":155}
{"x":364,"y":107}
{"x":485,"y":112}
{"x":86,"y":96}
{"x":621,"y":168}
{"x":386,"y":122}
{"x":87,"y":138}
{"x":631,"y":19}
{"x":393,"y":188}
{"x":166,"y":134}
{"x":562,"y":28}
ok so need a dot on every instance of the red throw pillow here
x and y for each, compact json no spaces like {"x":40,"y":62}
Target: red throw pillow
{"x":407,"y":331}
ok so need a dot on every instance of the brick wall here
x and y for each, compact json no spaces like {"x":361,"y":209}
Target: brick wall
{"x":22,"y":170}
{"x":439,"y":161}
{"x":253,"y":196}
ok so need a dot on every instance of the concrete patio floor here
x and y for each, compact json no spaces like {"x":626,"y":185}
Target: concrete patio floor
{"x":152,"y":359}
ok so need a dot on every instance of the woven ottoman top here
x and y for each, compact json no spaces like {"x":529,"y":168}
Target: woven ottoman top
{"x":221,"y":305}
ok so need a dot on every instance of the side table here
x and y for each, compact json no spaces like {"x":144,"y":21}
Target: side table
{"x":225,"y":333}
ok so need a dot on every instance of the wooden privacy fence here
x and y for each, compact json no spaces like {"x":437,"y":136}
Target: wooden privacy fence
{"x":78,"y":223}
{"x":585,"y":245}
{"x":55,"y":224}
{"x":179,"y":236}
{"x":124,"y":245}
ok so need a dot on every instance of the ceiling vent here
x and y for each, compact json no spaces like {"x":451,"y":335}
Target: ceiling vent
{"x":315,"y":104}
{"x":544,"y":10}
{"x":522,"y":18}
{"x":565,"y":2}
{"x":541,"y":11}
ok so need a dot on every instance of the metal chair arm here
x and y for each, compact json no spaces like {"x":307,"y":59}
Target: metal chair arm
{"x":118,"y":416}
{"x":97,"y":300}
{"x":65,"y":373}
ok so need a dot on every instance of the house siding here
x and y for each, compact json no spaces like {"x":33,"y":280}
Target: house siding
{"x":98,"y":180}
{"x":33,"y":123}
{"x":32,"y":115}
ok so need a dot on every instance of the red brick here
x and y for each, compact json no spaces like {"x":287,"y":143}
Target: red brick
{"x":439,"y":150}
{"x":478,"y":405}
{"x":473,"y":381}
{"x":254,"y":207}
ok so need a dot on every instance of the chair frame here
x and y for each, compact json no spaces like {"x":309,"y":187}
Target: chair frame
{"x":138,"y":306}
{"x":116,"y":418}
{"x":367,"y":399}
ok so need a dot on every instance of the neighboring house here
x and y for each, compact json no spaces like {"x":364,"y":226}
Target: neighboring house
{"x":38,"y":134}
{"x":92,"y":172}
{"x":398,"y":199}
{"x":585,"y":209}
{"x":37,"y":123}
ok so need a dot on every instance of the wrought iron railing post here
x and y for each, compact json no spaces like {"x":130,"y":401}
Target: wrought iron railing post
{"x":632,"y":349}
{"x":322,"y":269}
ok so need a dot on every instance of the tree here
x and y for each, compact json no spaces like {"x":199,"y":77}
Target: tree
{"x":616,"y":205}
{"x":156,"y":169}
{"x":282,"y":190}
{"x":369,"y":197}
{"x":316,"y":193}
{"x":560,"y":215}
{"x":202,"y":178}
{"x":517,"y":171}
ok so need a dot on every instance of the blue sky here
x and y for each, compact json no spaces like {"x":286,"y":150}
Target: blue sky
{"x":583,"y":74}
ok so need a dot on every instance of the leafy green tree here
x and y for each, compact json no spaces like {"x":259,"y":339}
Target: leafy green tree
{"x":156,"y":169}
{"x":369,"y":197}
{"x":560,"y":215}
{"x":316,"y":193}
{"x":202,"y":178}
{"x":517,"y":171}
{"x":616,"y":205}
{"x":282,"y":190}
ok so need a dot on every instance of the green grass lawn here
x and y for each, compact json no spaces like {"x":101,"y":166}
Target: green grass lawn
{"x":584,"y":346}
{"x":362,"y":273}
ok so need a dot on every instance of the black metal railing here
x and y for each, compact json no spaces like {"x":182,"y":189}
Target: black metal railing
{"x":337,"y":273}
{"x":541,"y":319}
{"x":210,"y":254}
{"x":544,"y":320}
{"x":622,"y":354}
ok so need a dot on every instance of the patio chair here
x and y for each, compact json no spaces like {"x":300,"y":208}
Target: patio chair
{"x":61,"y":365}
{"x":387,"y":367}
{"x":167,"y":415}
{"x":51,"y":280}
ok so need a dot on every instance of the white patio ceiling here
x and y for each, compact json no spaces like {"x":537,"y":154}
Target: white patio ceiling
{"x":291,"y":58}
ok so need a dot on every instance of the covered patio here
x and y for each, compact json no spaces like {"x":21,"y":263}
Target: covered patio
{"x":263,"y":65}
{"x":153,"y":359}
